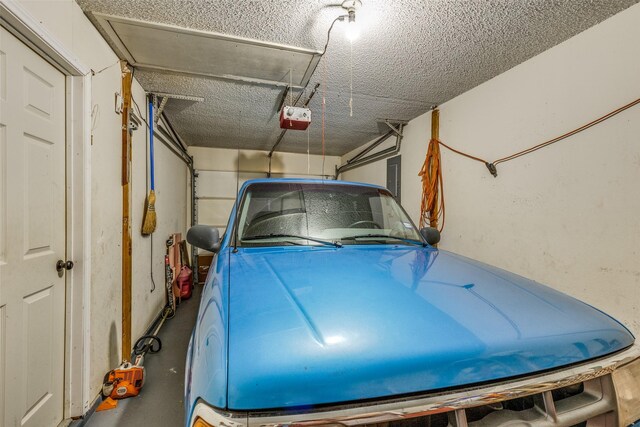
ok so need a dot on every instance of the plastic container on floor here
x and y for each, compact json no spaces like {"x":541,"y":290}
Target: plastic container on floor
{"x":185,"y":282}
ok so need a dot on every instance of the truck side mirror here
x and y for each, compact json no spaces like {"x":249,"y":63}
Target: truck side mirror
{"x":431,"y":235}
{"x":204,"y":237}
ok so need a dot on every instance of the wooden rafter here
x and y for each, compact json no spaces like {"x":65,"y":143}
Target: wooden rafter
{"x":127,"y":79}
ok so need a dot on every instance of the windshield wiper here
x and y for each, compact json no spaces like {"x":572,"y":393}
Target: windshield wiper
{"x":276,"y":235}
{"x":385,"y":236}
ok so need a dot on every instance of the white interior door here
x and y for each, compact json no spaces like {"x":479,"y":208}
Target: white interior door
{"x":32,"y":237}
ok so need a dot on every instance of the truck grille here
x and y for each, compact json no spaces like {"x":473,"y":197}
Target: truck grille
{"x":578,"y":396}
{"x":586,"y":404}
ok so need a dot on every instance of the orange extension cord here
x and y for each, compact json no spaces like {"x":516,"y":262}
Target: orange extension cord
{"x":432,"y":205}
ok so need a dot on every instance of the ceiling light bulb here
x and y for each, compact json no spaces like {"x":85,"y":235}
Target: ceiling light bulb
{"x":352,"y":30}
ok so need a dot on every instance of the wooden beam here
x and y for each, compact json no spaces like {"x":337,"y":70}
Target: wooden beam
{"x":435,"y":166}
{"x":126,"y":212}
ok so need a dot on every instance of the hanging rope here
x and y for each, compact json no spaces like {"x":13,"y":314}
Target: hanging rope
{"x":432,"y":205}
{"x":492,"y":165}
{"x":324,"y":103}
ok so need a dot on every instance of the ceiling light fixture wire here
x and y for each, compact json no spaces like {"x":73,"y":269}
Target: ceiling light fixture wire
{"x":308,"y":154}
{"x":294,"y":103}
{"x":339,"y":18}
{"x":324,"y":103}
{"x":291,"y":85}
{"x":236,"y":204}
{"x":351,"y":79}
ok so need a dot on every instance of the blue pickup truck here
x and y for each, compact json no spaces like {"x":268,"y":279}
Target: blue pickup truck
{"x":326,"y":306}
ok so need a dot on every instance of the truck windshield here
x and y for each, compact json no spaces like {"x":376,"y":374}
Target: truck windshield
{"x":285,"y":213}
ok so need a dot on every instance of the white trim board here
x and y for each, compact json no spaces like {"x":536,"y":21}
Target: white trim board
{"x":15,"y":18}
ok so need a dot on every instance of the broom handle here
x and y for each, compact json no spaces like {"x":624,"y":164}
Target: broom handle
{"x":153,"y":187}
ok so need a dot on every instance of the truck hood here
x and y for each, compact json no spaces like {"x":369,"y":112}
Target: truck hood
{"x":318,"y":325}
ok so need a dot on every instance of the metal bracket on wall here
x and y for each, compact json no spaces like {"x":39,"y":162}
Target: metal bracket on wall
{"x":396,"y":128}
{"x":390,"y":123}
{"x":160,"y":108}
{"x":165,"y":98}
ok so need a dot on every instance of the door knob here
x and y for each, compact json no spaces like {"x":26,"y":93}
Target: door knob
{"x":61,"y":265}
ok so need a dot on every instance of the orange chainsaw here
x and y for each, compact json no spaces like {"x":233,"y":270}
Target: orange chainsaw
{"x":128,"y":378}
{"x":124,"y":381}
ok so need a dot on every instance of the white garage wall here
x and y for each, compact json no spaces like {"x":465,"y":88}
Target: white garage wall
{"x":412,"y":150}
{"x":218,"y":176}
{"x":566,"y":215}
{"x":65,"y":20}
{"x":172,"y":195}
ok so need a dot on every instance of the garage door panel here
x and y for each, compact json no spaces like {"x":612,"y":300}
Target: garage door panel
{"x":216,"y":184}
{"x":244,"y":177}
{"x":39,"y":194}
{"x":221,"y":184}
{"x":214,"y":212}
{"x":291,"y":175}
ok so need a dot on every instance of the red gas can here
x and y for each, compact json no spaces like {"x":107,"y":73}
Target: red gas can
{"x":185,"y":282}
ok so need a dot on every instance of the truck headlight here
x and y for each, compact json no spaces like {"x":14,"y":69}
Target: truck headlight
{"x":206,"y":416}
{"x":626,"y":380}
{"x":201,"y":423}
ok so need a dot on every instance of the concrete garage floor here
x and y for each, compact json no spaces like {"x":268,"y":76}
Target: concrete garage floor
{"x":160,"y":403}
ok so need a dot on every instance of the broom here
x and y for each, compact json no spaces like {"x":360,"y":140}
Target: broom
{"x":149,"y":217}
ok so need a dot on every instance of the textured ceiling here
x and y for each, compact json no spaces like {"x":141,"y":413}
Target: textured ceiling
{"x":409,"y":56}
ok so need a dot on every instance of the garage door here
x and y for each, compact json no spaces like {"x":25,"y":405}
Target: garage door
{"x":217,"y":193}
{"x":32,"y":237}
